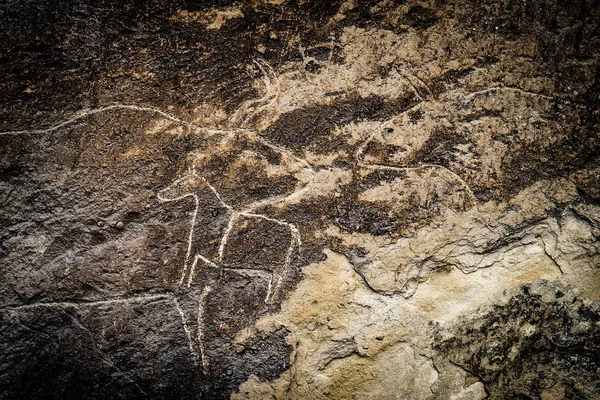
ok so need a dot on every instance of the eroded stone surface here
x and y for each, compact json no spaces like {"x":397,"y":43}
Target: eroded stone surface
{"x":300,"y":200}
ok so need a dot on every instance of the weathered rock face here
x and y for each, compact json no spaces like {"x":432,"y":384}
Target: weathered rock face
{"x":300,"y":200}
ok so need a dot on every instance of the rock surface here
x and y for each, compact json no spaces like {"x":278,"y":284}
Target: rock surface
{"x":287,"y":199}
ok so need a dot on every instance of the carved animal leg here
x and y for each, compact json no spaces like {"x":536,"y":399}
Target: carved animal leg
{"x":268,"y":299}
{"x":200,"y":331}
{"x":230,"y":225}
{"x":184,"y":312}
{"x":191,"y":307}
{"x":184,"y":272}
{"x":277,"y":279}
{"x":197,"y":258}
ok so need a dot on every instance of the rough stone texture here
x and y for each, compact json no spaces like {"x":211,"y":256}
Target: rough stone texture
{"x":288,"y":199}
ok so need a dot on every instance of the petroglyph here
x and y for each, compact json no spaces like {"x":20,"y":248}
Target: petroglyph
{"x":190,"y":337}
{"x":188,"y":186}
{"x":200,"y":337}
{"x":252,"y":108}
{"x":452,"y":176}
{"x":123,"y":300}
{"x":191,"y":310}
{"x":188,"y":313}
{"x":387,"y":199}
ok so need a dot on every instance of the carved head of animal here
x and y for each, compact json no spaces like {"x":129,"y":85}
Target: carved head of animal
{"x":187,"y":185}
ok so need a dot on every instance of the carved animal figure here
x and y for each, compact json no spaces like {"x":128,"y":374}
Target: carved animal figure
{"x":224,"y":238}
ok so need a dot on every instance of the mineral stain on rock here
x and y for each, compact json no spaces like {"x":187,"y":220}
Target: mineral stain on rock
{"x":289,"y":199}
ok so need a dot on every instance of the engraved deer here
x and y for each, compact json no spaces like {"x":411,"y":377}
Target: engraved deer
{"x":214,"y":226}
{"x":210,"y":243}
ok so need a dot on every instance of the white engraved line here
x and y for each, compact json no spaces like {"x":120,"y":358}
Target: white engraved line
{"x":270,"y":90}
{"x":91,"y":303}
{"x":360,"y":160}
{"x":199,"y":257}
{"x":288,"y":260}
{"x":269,"y":289}
{"x":200,"y":335}
{"x":190,"y":237}
{"x":426,"y":166}
{"x":293,"y":231}
{"x":248,"y":272}
{"x":277,"y":221}
{"x":192,"y":125}
{"x":362,"y":148}
{"x":230,"y":225}
{"x":216,"y":194}
{"x":277,"y":199}
{"x":186,"y":123}
{"x":282,"y":149}
{"x":84,"y":113}
{"x":269,"y":96}
{"x":168,"y":116}
{"x":407,"y":76}
{"x":186,"y":328}
{"x":295,"y":235}
{"x":191,"y":234}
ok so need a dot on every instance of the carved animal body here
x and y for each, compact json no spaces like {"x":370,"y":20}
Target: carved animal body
{"x":221,"y":237}
{"x":224,"y":238}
